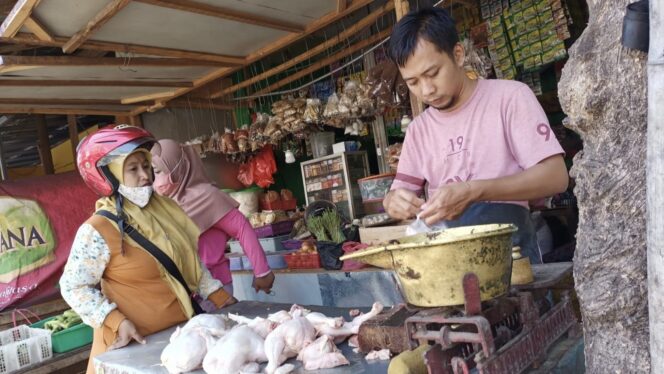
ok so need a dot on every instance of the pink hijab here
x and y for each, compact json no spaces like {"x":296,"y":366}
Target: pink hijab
{"x":183,"y":179}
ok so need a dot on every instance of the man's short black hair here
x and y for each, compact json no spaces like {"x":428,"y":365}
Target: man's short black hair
{"x":434,"y":25}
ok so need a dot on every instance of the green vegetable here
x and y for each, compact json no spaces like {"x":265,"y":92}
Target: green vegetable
{"x":64,"y":321}
{"x":332,"y":223}
{"x":317,"y":228}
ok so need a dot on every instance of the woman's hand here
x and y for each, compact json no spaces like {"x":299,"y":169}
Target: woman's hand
{"x":126,"y":332}
{"x":264,"y":283}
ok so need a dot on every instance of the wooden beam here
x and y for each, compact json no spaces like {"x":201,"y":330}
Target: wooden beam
{"x":89,"y":83}
{"x":136,"y":121}
{"x":14,"y":48}
{"x":44,"y":145}
{"x":33,"y":101}
{"x":343,"y":36}
{"x":58,"y":42}
{"x":200,"y":103}
{"x":17,"y":17}
{"x":149,"y":97}
{"x":38,"y":29}
{"x":312,"y":27}
{"x":402,"y":7}
{"x":94,"y":24}
{"x":342,"y":5}
{"x":6,"y":61}
{"x":225,"y":13}
{"x":73,"y":135}
{"x":327,"y":61}
{"x":62,"y":111}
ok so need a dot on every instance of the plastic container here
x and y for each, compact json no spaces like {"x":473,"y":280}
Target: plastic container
{"x":23,"y":346}
{"x":274,"y":261}
{"x":274,"y":229}
{"x":268,"y":244}
{"x":303,"y":260}
{"x":375,"y":188}
{"x":321,"y":143}
{"x":69,"y":339}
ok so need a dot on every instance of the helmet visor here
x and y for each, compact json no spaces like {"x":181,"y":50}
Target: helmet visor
{"x":125,"y":150}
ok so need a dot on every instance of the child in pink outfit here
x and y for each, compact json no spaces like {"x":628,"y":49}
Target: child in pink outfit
{"x":179,"y":174}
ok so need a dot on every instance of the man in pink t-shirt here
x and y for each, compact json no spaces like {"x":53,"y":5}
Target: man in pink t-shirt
{"x":481,"y":150}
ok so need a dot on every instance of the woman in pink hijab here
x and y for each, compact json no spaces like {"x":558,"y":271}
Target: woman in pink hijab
{"x":179,"y":174}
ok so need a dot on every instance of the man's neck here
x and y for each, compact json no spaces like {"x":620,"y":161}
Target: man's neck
{"x":467,"y":89}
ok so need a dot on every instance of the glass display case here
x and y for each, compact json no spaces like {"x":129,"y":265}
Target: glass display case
{"x":334,"y":178}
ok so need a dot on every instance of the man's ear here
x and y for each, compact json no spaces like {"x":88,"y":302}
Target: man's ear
{"x":459,"y":55}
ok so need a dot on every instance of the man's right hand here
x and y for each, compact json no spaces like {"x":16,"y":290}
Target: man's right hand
{"x":126,"y":332}
{"x":402,"y":204}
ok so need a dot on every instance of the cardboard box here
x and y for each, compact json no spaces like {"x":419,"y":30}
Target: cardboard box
{"x":382,"y":234}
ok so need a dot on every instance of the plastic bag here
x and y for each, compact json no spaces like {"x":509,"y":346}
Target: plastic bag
{"x":330,"y":253}
{"x":264,"y":165}
{"x":246,"y":174}
{"x":348,"y":248}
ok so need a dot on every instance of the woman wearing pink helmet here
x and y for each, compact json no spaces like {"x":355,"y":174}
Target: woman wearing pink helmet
{"x":139,"y":246}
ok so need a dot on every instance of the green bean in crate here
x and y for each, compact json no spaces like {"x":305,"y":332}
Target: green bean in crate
{"x":64,"y":321}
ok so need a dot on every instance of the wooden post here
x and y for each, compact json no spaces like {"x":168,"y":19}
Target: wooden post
{"x":44,"y":145}
{"x":402,"y":7}
{"x":3,"y":165}
{"x":122,"y":120}
{"x":136,"y":121}
{"x":378,"y":125}
{"x":655,"y":187}
{"x":73,"y":135}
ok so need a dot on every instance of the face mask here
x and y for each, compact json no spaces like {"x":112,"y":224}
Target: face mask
{"x":163,"y":185}
{"x":137,"y":195}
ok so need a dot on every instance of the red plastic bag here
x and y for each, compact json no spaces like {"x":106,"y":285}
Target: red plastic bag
{"x":259,"y":169}
{"x":264,"y":165}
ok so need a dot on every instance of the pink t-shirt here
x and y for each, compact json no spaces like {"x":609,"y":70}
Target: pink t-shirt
{"x":500,"y":131}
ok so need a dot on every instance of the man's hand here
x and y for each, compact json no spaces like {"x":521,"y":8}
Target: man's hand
{"x":449,"y":202}
{"x":264,"y":283}
{"x":126,"y":332}
{"x":402,"y":204}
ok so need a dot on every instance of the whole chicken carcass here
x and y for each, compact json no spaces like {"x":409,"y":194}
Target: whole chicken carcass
{"x":236,"y":352}
{"x":215,"y":323}
{"x":339,"y":334}
{"x":186,"y":350}
{"x":260,"y":325}
{"x":287,"y":341}
{"x":322,"y":354}
{"x":280,"y":317}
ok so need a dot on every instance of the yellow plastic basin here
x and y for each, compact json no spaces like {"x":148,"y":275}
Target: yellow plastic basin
{"x":430,"y":266}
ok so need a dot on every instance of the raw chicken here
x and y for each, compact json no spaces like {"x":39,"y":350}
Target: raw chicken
{"x":235,"y":352}
{"x":322,"y":354}
{"x":280,"y":317}
{"x":260,"y":325}
{"x":214,"y":322}
{"x":319,"y":319}
{"x":187,"y":349}
{"x":349,"y":328}
{"x":383,"y":354}
{"x":287,"y":341}
{"x":354,"y":341}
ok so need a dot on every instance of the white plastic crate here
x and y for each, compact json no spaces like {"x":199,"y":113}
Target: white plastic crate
{"x":22,"y":346}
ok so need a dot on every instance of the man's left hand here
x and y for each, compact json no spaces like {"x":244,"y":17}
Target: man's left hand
{"x":448,"y":202}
